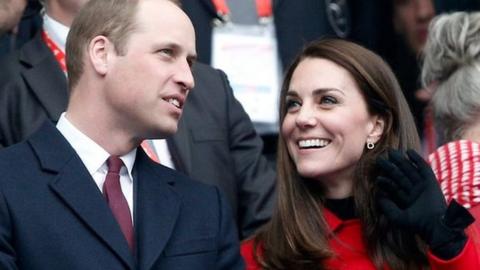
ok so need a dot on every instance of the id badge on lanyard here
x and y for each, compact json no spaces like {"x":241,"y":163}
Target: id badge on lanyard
{"x":248,"y":54}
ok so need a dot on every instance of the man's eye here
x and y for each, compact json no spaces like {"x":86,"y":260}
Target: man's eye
{"x":291,"y":104}
{"x":168,"y":52}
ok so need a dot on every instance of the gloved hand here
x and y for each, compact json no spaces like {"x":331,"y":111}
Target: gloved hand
{"x":410,"y":195}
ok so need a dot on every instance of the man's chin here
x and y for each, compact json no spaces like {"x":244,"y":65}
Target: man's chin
{"x":164,"y":133}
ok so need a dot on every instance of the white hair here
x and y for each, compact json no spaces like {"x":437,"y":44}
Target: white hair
{"x":452,"y":63}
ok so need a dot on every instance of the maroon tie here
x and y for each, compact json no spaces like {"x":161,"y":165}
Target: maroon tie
{"x":115,"y":199}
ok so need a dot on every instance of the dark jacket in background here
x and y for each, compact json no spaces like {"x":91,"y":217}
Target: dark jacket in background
{"x":298,"y":22}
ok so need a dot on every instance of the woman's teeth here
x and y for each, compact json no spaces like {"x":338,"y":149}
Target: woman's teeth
{"x":313,"y":143}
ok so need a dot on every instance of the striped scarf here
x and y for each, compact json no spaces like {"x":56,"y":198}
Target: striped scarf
{"x":457,"y":168}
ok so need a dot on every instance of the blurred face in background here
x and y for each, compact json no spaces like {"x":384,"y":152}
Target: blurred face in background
{"x":64,"y":11}
{"x":73,"y":5}
{"x":411,"y":19}
{"x":10,"y":14}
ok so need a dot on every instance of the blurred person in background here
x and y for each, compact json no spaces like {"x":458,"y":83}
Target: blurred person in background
{"x":410,"y":20}
{"x":33,"y":85}
{"x":19,"y":21}
{"x":410,"y":23}
{"x":10,"y":13}
{"x":451,"y":65}
{"x":296,"y":22}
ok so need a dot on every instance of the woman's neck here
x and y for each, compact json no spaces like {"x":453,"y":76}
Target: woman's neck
{"x":472,"y":133}
{"x":338,"y":189}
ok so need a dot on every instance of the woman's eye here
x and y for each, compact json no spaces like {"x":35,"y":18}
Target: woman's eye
{"x":328,"y":100}
{"x":291,"y":104}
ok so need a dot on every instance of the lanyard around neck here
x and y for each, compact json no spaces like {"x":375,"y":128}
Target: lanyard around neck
{"x":264,"y":8}
{"x":57,"y":52}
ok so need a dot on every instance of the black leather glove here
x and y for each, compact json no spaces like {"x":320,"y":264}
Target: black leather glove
{"x":410,"y":197}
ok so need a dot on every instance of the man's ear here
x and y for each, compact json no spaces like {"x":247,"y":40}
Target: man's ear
{"x":98,"y":50}
{"x":377,"y":130}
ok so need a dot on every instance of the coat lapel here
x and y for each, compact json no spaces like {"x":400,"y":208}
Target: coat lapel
{"x":39,"y":64}
{"x":76,"y":188}
{"x":157,"y":209}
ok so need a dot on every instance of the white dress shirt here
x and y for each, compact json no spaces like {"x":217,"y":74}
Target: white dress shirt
{"x":163,"y":153}
{"x":56,"y":31}
{"x":94,"y":157}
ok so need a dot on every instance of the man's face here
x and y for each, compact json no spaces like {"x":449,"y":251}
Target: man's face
{"x":148,"y":84}
{"x":411,"y":19}
{"x":73,"y":6}
{"x":64,"y":11}
{"x":10,"y":14}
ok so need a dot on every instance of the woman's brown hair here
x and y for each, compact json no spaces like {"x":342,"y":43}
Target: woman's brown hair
{"x":297,"y":235}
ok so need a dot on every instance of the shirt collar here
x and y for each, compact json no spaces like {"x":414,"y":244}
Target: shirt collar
{"x":92,"y":155}
{"x":56,"y":31}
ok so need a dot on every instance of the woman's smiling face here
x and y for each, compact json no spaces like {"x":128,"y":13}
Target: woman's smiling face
{"x":327,"y":122}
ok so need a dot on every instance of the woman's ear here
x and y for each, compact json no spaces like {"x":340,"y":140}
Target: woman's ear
{"x":376,"y":131}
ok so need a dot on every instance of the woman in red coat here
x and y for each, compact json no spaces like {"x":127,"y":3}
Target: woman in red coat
{"x":346,"y":200}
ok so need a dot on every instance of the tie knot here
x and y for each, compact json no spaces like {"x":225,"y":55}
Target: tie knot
{"x":114,"y":164}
